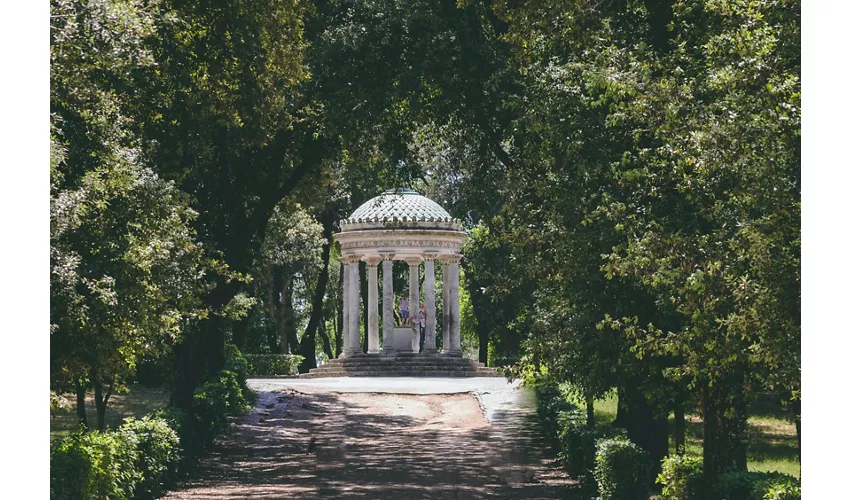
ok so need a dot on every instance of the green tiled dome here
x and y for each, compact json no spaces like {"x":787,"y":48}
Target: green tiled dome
{"x":403,"y":204}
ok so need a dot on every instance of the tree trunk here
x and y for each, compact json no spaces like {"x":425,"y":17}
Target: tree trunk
{"x":709,"y":445}
{"x":281,"y":306}
{"x":326,"y":340}
{"x":591,"y":418}
{"x":735,"y":422}
{"x":364,"y":293}
{"x":339,"y":318}
{"x":81,"y":404}
{"x":189,"y":369}
{"x":316,"y":313}
{"x":796,"y":405}
{"x":274,"y":338}
{"x":679,"y":429}
{"x":289,"y":318}
{"x":646,"y":426}
{"x":476,"y":299}
{"x":100,"y":400}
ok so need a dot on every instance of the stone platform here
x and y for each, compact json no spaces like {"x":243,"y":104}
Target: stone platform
{"x":401,"y":365}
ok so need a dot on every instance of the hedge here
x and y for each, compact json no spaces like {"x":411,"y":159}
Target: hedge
{"x":756,"y":486}
{"x":144,"y":457}
{"x":94,"y":465}
{"x":622,"y":470}
{"x":273,"y":364}
{"x":681,"y":478}
{"x":158,"y":457}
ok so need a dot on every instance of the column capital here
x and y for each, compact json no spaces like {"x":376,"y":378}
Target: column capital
{"x":372,"y":259}
{"x":413,"y":260}
{"x":388,"y":256}
{"x":349,"y":259}
{"x":430,"y":256}
{"x":449,"y":258}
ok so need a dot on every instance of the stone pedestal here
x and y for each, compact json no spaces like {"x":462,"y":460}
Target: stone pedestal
{"x":403,"y":337}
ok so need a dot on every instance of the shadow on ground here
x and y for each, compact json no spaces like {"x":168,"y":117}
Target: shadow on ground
{"x":379,"y":446}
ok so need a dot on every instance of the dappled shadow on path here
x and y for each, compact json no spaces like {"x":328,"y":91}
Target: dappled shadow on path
{"x":379,"y":446}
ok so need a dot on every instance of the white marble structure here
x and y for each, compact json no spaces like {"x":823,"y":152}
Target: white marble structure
{"x":401,"y":225}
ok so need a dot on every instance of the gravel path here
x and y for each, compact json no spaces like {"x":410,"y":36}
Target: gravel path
{"x":382,"y":439}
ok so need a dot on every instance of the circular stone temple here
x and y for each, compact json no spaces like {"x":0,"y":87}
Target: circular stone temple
{"x":401,"y":225}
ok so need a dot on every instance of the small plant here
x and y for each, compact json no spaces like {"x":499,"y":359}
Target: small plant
{"x":787,"y":491}
{"x":94,"y":465}
{"x":158,"y":454}
{"x":622,"y":470}
{"x":682,"y":478}
{"x":272,"y":364}
{"x":754,"y":485}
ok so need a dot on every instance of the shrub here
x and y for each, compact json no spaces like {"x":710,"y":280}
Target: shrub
{"x":158,"y":454}
{"x":214,"y":401}
{"x":94,"y":465}
{"x":682,"y":478}
{"x":236,"y":363}
{"x":273,"y":364}
{"x":785,"y":491}
{"x":752,"y":485}
{"x":578,"y":442}
{"x":179,"y":421}
{"x":622,"y":470}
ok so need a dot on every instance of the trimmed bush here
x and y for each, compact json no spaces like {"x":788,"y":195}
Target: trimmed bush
{"x":214,"y":401}
{"x":753,"y":485}
{"x":158,"y":457}
{"x":94,"y":465}
{"x":236,"y":363}
{"x":272,"y":364}
{"x":784,"y":492}
{"x":682,"y":478}
{"x":578,"y":442}
{"x":622,"y":470}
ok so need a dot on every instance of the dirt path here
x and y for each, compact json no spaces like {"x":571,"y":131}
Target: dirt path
{"x":378,"y":446}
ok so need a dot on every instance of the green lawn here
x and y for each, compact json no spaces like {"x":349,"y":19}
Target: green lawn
{"x":773,"y":438}
{"x":136,"y":402}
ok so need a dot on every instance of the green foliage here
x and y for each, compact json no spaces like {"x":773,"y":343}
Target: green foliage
{"x":94,"y":465}
{"x":578,"y":442}
{"x":216,"y":399}
{"x":158,"y":455}
{"x":273,"y":364}
{"x":622,"y":470}
{"x":787,"y":491}
{"x":755,"y":486}
{"x":190,"y":445}
{"x":682,"y":478}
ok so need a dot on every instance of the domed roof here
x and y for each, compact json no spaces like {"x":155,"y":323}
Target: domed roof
{"x":400,"y":205}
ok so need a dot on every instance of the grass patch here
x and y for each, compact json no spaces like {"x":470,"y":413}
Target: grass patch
{"x":773,"y":437}
{"x":137,"y":402}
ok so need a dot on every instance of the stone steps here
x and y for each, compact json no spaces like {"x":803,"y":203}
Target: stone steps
{"x":406,"y":365}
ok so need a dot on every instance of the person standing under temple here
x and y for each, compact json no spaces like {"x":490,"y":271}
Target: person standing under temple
{"x":421,"y":322}
{"x":404,"y":312}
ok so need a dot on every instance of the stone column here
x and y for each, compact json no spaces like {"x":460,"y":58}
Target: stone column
{"x":353,"y":269}
{"x":372,"y":315}
{"x":451,"y":283}
{"x":346,"y":342}
{"x":389,"y":324}
{"x":454,"y":299}
{"x":413,"y":265}
{"x":446,"y":307}
{"x":430,"y":307}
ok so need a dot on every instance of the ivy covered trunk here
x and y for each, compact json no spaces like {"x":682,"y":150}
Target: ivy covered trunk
{"x":645,"y":425}
{"x":81,"y":404}
{"x":101,"y":399}
{"x":679,"y":427}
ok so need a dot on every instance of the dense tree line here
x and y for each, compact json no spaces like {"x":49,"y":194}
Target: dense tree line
{"x":629,"y":172}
